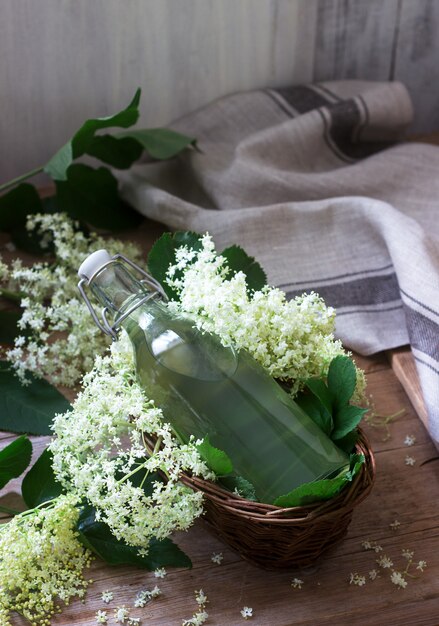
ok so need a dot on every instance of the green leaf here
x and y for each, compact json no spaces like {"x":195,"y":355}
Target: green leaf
{"x":321,"y":489}
{"x":162,"y":255}
{"x":346,"y":418}
{"x":240,"y":484}
{"x":239,"y":261}
{"x":215,"y":459}
{"x":342,"y":379}
{"x":312,"y":406}
{"x":16,"y":205}
{"x":14,"y":459}
{"x":40,"y":485}
{"x":28,"y":409}
{"x":8,"y":326}
{"x":91,"y":195}
{"x":321,"y":391}
{"x":118,"y":152}
{"x":97,"y":537}
{"x":160,"y":143}
{"x":77,"y":146}
{"x":347,"y":443}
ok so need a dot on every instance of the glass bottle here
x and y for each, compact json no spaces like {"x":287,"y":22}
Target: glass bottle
{"x":207,"y":389}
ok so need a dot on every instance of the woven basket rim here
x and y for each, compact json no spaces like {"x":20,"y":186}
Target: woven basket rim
{"x":348,"y":498}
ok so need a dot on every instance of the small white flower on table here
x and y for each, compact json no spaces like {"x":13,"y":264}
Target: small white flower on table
{"x":160,"y":572}
{"x":409,"y":460}
{"x":121,"y":614}
{"x":217,"y":558}
{"x":356,"y":579}
{"x":373,"y":574}
{"x":410,"y":440}
{"x":421,"y":565}
{"x":407,"y":554}
{"x":398,"y":579}
{"x":394,"y":525}
{"x":101,"y":617}
{"x":107,"y":596}
{"x":296,"y":583}
{"x":247,"y":612}
{"x":385,"y":562}
{"x":201,"y":598}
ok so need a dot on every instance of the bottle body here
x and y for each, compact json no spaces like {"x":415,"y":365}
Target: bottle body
{"x":207,"y":389}
{"x":204,"y":388}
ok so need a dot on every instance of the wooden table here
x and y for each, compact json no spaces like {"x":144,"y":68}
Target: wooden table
{"x":404,"y":493}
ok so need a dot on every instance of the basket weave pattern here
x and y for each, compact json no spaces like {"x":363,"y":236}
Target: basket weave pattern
{"x":273,"y":537}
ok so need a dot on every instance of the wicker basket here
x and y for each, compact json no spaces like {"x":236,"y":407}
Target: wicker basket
{"x":272,"y":537}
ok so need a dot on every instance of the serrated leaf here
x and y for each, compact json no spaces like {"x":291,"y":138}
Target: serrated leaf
{"x":98,"y":538}
{"x":8,"y":326}
{"x":321,"y":391}
{"x":160,"y":143}
{"x":316,"y":410}
{"x":91,"y":195}
{"x":77,"y":146}
{"x":16,"y":205}
{"x":14,"y":459}
{"x":346,"y":418}
{"x":215,"y":459}
{"x":239,"y":261}
{"x":312,"y":492}
{"x":243,"y":486}
{"x":28,"y":409}
{"x":117,"y":152}
{"x":342,"y":379}
{"x":40,"y":485}
{"x":162,"y":255}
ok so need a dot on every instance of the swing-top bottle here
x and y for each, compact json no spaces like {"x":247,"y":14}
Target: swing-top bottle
{"x":206,"y":389}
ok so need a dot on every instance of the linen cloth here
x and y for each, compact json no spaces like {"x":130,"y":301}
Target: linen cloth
{"x":310,"y":180}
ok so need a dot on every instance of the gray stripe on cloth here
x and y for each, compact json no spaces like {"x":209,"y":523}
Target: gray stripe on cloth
{"x":358,"y":292}
{"x":423,"y":333}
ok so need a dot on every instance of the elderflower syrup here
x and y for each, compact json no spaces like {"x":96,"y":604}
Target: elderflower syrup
{"x":207,"y":389}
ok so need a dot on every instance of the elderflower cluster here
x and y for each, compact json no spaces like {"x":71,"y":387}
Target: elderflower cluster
{"x":292,"y":339}
{"x":103,"y":452}
{"x":58,"y":336}
{"x":41,"y":562}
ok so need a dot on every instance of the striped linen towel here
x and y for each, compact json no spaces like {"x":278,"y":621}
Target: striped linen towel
{"x":312,"y":182}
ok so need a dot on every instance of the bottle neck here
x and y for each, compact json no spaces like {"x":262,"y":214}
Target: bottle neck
{"x":115,"y":288}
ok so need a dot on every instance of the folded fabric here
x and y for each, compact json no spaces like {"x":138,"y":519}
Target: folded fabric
{"x":309,"y":179}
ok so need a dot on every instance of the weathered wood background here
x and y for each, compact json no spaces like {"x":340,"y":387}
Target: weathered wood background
{"x":62,"y":61}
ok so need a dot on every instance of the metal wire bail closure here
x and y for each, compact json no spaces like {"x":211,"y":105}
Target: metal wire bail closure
{"x":105,"y":326}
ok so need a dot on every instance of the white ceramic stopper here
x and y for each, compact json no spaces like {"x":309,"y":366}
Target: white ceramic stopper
{"x":93,"y":263}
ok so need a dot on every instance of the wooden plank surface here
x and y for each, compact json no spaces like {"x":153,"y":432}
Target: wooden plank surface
{"x":408,"y":494}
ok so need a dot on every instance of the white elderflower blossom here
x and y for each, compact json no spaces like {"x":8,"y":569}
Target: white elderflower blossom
{"x":247,"y":612}
{"x":410,"y":440}
{"x":102,"y":452}
{"x":407,"y":554}
{"x":395,"y":525}
{"x":409,"y":460}
{"x":107,"y":596}
{"x":373,"y":574}
{"x":41,"y":562}
{"x":160,"y":572}
{"x":293,"y":339}
{"x":356,"y":579}
{"x":421,"y":565}
{"x":385,"y":562}
{"x":217,"y":558}
{"x":121,"y":614}
{"x":398,"y":579}
{"x":201,"y":598}
{"x":296,"y":583}
{"x":59,"y":339}
{"x":101,"y":617}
